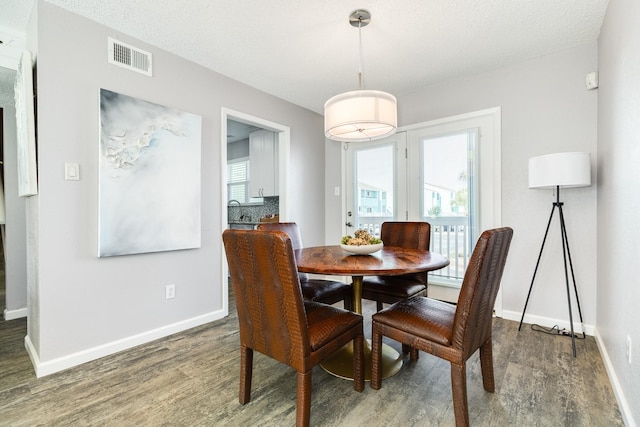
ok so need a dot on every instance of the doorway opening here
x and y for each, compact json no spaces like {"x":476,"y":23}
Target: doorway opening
{"x":242,"y":122}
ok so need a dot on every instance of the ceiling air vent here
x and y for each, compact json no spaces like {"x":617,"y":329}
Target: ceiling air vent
{"x":130,"y":57}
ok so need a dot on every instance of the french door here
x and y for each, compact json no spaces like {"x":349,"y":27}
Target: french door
{"x":376,"y":183}
{"x":446,"y":172}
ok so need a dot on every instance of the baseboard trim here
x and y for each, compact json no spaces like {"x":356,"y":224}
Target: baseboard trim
{"x":15,"y":314}
{"x":548,"y":322}
{"x":625,"y":410}
{"x":65,"y":362}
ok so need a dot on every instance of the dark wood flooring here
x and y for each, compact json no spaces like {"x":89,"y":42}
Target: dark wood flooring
{"x":191,"y":379}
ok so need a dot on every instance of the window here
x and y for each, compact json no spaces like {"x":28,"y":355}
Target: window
{"x":238,"y":175}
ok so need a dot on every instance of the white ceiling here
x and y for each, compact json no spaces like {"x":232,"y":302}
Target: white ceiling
{"x":305,"y":51}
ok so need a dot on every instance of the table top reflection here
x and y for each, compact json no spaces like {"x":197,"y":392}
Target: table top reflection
{"x":390,"y":260}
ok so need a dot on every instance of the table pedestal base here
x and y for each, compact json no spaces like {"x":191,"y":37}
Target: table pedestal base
{"x":340,"y":363}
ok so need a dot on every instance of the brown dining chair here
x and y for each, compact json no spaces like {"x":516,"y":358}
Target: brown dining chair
{"x":276,"y":321}
{"x":320,"y":290}
{"x":390,"y":289}
{"x":451,"y":332}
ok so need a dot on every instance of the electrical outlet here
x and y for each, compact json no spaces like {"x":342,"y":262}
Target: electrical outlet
{"x":170,"y":291}
{"x":629,"y":349}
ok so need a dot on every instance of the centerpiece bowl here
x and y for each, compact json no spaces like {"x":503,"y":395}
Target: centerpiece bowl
{"x":362,"y":249}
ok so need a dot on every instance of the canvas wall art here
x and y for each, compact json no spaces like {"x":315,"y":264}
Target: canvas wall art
{"x":26,"y":127}
{"x":149,"y":196}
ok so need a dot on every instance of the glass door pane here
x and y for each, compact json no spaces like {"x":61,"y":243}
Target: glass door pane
{"x":375,"y":183}
{"x":449,"y":198}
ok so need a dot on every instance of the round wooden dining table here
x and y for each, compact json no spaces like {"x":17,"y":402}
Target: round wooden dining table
{"x":389,"y":261}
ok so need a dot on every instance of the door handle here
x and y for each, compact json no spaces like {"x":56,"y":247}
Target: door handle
{"x":348,"y":224}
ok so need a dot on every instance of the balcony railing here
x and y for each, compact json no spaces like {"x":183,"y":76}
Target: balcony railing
{"x":450,"y":236}
{"x":372,"y":223}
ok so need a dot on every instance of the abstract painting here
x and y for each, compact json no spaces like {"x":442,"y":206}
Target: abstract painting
{"x":26,"y":128}
{"x":149,"y":196}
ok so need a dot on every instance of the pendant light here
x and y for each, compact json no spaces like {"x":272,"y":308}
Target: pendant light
{"x":360,"y":115}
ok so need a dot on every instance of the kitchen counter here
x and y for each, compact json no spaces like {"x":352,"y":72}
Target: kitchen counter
{"x":244,"y":222}
{"x":243,"y":225}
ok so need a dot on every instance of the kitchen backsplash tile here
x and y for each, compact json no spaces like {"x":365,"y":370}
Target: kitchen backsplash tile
{"x":253,"y":213}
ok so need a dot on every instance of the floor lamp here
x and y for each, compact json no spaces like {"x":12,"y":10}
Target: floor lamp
{"x":555,"y":171}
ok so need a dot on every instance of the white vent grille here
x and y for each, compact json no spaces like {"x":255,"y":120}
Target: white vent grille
{"x":129,"y":57}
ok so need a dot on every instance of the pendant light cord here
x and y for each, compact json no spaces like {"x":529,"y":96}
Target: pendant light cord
{"x":360,"y":69}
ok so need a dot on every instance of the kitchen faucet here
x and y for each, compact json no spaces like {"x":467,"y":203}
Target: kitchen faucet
{"x":242,"y":216}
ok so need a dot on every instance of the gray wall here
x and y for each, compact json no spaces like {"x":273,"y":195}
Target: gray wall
{"x":82,"y":306}
{"x":15,"y":232}
{"x":545,"y":108}
{"x":618,"y":200}
{"x":238,"y":149}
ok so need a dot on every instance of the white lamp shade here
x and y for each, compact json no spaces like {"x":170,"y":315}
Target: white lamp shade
{"x":360,"y":115}
{"x":560,"y":170}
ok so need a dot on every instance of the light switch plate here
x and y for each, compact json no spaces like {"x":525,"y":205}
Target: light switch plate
{"x":592,"y":80}
{"x":71,"y":171}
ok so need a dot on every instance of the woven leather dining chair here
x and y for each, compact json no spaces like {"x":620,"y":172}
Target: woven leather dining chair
{"x":320,"y":290}
{"x":450,"y":332}
{"x":390,"y":289}
{"x":276,"y":321}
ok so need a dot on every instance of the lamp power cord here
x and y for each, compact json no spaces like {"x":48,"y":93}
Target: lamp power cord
{"x":555,"y":330}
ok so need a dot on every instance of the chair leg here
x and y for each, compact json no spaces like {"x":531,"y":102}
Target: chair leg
{"x":303,"y":402}
{"x":358,"y":363}
{"x":379,"y":305}
{"x":348,"y":304}
{"x":246,"y":370}
{"x":486,"y":363}
{"x":459,"y":391}
{"x":414,"y":354}
{"x":412,"y":351}
{"x":376,"y":353}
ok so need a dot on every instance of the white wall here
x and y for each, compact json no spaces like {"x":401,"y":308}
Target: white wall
{"x":545,"y":108}
{"x":82,"y":306}
{"x":618,"y":199}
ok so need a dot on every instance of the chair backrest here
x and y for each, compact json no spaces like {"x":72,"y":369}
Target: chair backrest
{"x":472,"y":323}
{"x":413,"y":235}
{"x":291,"y":228}
{"x":269,"y":301}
